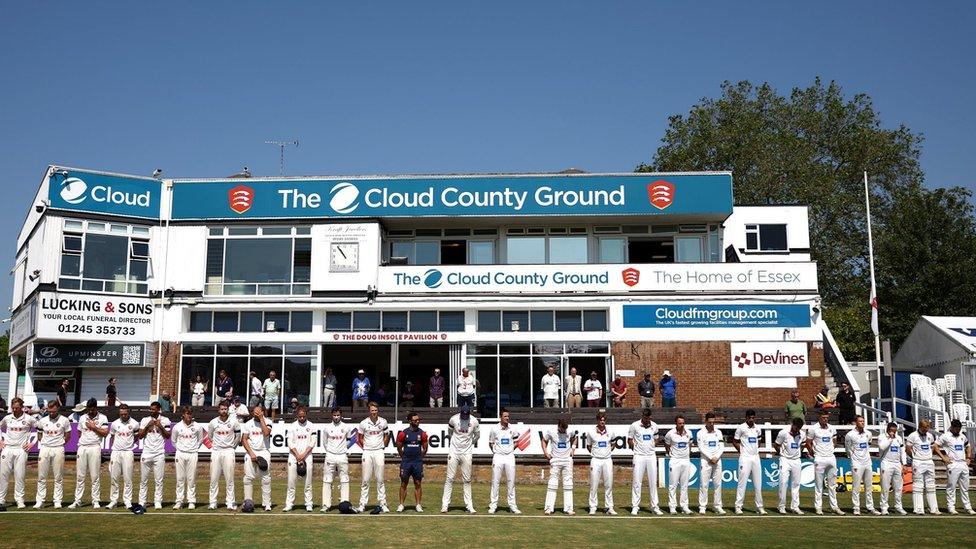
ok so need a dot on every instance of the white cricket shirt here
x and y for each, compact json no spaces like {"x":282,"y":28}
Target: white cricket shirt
{"x":891,"y":450}
{"x":463,"y":439}
{"x":748,"y":438}
{"x":680,"y":443}
{"x":254,"y":433}
{"x":600,"y":443}
{"x":154,"y":443}
{"x":954,"y":446}
{"x":123,"y":434}
{"x":187,"y":438}
{"x":921,"y":446}
{"x":790,"y":446}
{"x":336,"y":438}
{"x":858,"y":446}
{"x":560,"y":447}
{"x":87,"y":436}
{"x":223,"y":433}
{"x":300,"y":438}
{"x":823,"y":440}
{"x":644,"y":438}
{"x":503,"y":440}
{"x":53,"y":431}
{"x":18,"y":429}
{"x":710,"y":444}
{"x":373,"y":433}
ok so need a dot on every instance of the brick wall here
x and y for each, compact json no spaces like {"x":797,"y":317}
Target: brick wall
{"x":169,"y":371}
{"x":704,"y":376}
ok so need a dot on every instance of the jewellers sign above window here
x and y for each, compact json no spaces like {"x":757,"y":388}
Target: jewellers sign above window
{"x":69,"y":316}
{"x":76,"y":355}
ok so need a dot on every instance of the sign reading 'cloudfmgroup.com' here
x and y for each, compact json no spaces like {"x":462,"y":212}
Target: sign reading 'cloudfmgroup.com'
{"x":94,"y":317}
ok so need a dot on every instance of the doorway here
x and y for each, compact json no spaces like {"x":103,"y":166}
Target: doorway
{"x":585,"y":365}
{"x":346,"y":360}
{"x":416,"y":366}
{"x":650,"y":251}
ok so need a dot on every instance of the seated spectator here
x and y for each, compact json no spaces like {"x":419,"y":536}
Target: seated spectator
{"x":824,"y":400}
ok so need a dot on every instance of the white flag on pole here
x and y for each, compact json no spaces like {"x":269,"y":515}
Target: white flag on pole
{"x":874,"y":311}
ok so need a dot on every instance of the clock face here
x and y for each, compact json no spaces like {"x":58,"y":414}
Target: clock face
{"x":344,"y":257}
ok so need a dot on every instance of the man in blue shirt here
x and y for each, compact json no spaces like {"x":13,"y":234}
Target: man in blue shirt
{"x":669,"y":388}
{"x":411,"y":444}
{"x":360,"y":390}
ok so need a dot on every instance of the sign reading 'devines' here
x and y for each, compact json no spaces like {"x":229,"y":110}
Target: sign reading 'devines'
{"x":94,"y":317}
{"x":703,"y":277}
{"x":701,"y":315}
{"x":102,"y":193}
{"x":80,"y":354}
{"x":769,"y":359}
{"x":502,"y":195}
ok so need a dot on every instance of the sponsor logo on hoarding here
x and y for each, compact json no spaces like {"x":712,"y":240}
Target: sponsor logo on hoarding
{"x":742,"y":360}
{"x":769,"y":359}
{"x":631,"y":276}
{"x":666,"y":315}
{"x":240,"y":198}
{"x":75,"y":191}
{"x":433,"y":278}
{"x":48,"y":352}
{"x":968,"y":332}
{"x":345,"y":198}
{"x":661,"y":194}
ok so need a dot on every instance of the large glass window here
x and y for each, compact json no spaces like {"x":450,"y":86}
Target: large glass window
{"x":766,"y":238}
{"x":394,"y":321}
{"x":613,"y":250}
{"x":526,"y":249}
{"x":688,"y":249}
{"x":567,"y":249}
{"x":543,"y":321}
{"x":451,"y":321}
{"x":258,"y":261}
{"x":251,"y":321}
{"x":481,"y":252}
{"x":104,"y":257}
{"x":514,"y":378}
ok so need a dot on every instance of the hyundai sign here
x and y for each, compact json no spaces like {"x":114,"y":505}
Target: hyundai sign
{"x":102,"y":193}
{"x":497,"y":196}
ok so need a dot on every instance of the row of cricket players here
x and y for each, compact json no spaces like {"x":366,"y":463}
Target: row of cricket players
{"x":373,"y":434}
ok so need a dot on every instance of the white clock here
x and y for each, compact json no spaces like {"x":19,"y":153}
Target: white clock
{"x":344,"y":257}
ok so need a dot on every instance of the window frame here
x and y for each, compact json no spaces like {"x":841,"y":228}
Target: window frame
{"x":81,"y":229}
{"x":292,"y":286}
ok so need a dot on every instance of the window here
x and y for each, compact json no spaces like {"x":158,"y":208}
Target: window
{"x":451,"y":321}
{"x":613,"y":250}
{"x":569,"y":321}
{"x":766,"y":238}
{"x":524,"y":250}
{"x":366,"y":321}
{"x":99,"y":257}
{"x":251,"y":321}
{"x":543,"y":321}
{"x":567,"y":249}
{"x":489,"y":321}
{"x":336,"y":321}
{"x":258,"y":261}
{"x":481,"y":252}
{"x":423,"y":252}
{"x":688,"y":249}
{"x":393,"y":321}
{"x":423,"y":321}
{"x":515,"y":321}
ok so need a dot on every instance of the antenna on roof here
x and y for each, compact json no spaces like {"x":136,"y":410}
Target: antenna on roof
{"x":281,"y":146}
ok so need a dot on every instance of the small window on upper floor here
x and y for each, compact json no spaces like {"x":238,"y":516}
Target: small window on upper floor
{"x":101,"y":257}
{"x":766,"y":238}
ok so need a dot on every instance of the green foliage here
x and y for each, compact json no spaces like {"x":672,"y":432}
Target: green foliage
{"x":5,"y":352}
{"x":812,"y":148}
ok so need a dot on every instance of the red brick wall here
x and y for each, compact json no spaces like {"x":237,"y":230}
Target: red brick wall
{"x":169,"y":371}
{"x":704,"y":376}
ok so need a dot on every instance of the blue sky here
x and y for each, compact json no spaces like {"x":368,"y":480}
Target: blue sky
{"x":196,"y":88}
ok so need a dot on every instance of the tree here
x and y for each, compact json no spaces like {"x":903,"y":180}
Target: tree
{"x":812,"y":148}
{"x":5,"y":352}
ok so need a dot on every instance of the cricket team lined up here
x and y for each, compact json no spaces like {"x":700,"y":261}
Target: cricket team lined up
{"x":224,"y":434}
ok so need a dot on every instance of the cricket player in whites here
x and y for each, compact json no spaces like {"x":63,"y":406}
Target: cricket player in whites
{"x":374,"y":435}
{"x":153,"y":430}
{"x":820,"y":445}
{"x":53,"y":432}
{"x":255,"y":436}
{"x":123,"y":432}
{"x":187,"y":435}
{"x":641,"y":438}
{"x":92,"y":428}
{"x":677,"y":444}
{"x":301,"y":442}
{"x":411,"y":444}
{"x":919,"y":449}
{"x":600,"y":445}
{"x":16,"y":428}
{"x":224,"y":432}
{"x":857,"y":443}
{"x":891,"y":449}
{"x":954,"y":449}
{"x":464,"y":431}
{"x":746,"y":442}
{"x":337,"y":435}
{"x":502,"y":443}
{"x":789,"y":445}
{"x":559,"y":447}
{"x":711,"y":445}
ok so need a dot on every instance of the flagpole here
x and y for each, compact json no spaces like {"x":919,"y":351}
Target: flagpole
{"x":874,"y":294}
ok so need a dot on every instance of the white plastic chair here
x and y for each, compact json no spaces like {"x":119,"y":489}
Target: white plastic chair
{"x":950,"y":380}
{"x":940,"y":386}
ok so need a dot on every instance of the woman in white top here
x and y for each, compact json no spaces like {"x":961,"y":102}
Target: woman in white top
{"x":198,"y":388}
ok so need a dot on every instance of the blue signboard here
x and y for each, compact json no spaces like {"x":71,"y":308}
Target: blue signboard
{"x":770,"y":472}
{"x":103,"y":193}
{"x":706,"y":195}
{"x":717,"y":316}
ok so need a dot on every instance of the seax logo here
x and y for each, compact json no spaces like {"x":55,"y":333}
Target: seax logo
{"x":240,"y":198}
{"x":661,"y":194}
{"x":631,"y":276}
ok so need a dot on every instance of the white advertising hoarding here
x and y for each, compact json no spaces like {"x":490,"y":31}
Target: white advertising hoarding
{"x":769,"y":359}
{"x":87,"y":317}
{"x":692,"y":277}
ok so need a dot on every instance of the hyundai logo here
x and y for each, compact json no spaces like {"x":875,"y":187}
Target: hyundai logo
{"x":48,"y":352}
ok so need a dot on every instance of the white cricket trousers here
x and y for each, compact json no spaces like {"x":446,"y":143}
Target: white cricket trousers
{"x":958,"y":479}
{"x":644,"y":467}
{"x":335,"y":464}
{"x":120,"y":468}
{"x":750,"y":467}
{"x":328,"y":398}
{"x":825,"y":469}
{"x":678,"y":471}
{"x":155,"y":466}
{"x":863,"y":474}
{"x":186,"y":477}
{"x":88,"y":463}
{"x":601,"y":470}
{"x":13,"y":461}
{"x":251,"y":470}
{"x":709,"y":474}
{"x":923,"y":484}
{"x":47,"y":459}
{"x":457,"y":462}
{"x":293,"y":480}
{"x":222,"y":463}
{"x":560,"y":470}
{"x":502,"y":465}
{"x":789,"y":479}
{"x":891,"y":477}
{"x":373,"y":462}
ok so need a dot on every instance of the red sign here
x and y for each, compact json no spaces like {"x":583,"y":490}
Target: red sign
{"x":631,"y":276}
{"x":661,"y":194}
{"x":240,"y":198}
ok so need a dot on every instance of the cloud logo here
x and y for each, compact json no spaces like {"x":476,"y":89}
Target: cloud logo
{"x":345,"y":198}
{"x":433,"y":278}
{"x":73,"y":190}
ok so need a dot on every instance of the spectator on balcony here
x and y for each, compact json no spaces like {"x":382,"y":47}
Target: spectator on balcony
{"x":618,"y":390}
{"x":669,"y":390}
{"x":824,"y":400}
{"x":63,"y":394}
{"x":225,"y":387}
{"x":407,"y":398}
{"x":646,"y":391}
{"x":111,"y":393}
{"x":465,"y":389}
{"x":573,"y":389}
{"x":166,"y":402}
{"x":436,"y":388}
{"x":845,"y":403}
{"x":795,"y":408}
{"x":550,"y":388}
{"x":360,"y":390}
{"x":329,"y":384}
{"x":198,"y":388}
{"x":594,"y":391}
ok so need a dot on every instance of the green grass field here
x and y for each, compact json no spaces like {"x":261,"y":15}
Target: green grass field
{"x":87,"y":527}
